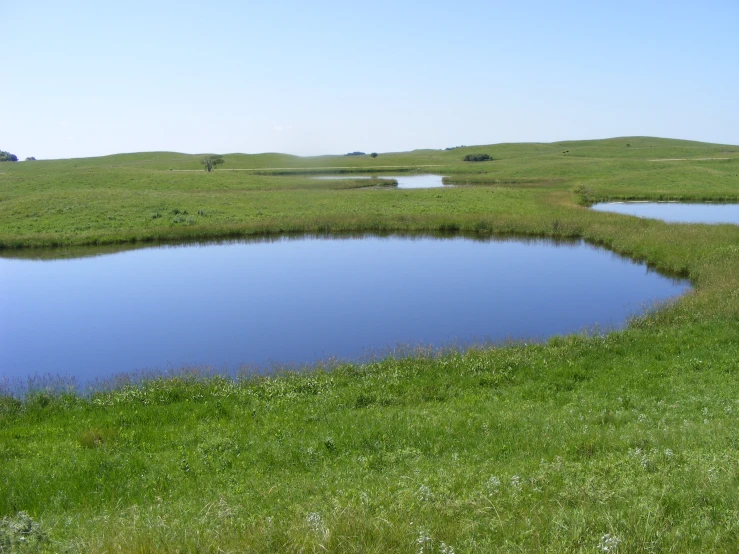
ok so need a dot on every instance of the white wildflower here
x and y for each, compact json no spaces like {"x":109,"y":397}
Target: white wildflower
{"x":425,"y":493}
{"x":516,"y":482}
{"x":424,"y":541}
{"x":315,"y":522}
{"x":493,"y":485}
{"x":608,"y":543}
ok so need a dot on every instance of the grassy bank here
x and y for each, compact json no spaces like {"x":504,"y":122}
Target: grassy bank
{"x":621,"y":443}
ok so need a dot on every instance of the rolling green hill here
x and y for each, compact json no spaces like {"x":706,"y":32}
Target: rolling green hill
{"x":625,"y":442}
{"x":167,"y":196}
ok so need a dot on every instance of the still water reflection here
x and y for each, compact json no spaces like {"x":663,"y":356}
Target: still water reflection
{"x":301,"y":300}
{"x":424,"y":181}
{"x":675,"y":212}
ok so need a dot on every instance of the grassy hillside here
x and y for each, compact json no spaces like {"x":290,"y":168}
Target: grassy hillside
{"x":620,"y":443}
{"x":167,"y":196}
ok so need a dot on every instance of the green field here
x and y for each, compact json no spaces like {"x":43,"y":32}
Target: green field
{"x":627,"y":442}
{"x":167,"y":196}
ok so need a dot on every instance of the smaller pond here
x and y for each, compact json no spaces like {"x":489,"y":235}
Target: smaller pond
{"x":675,"y":212}
{"x":425,"y":181}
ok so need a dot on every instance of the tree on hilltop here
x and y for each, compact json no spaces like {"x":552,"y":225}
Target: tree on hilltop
{"x":211,"y":162}
{"x":7,"y":157}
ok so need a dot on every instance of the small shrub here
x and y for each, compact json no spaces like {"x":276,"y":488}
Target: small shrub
{"x":478,"y":158}
{"x":374,"y":154}
{"x":582,"y":189}
{"x":156,"y":215}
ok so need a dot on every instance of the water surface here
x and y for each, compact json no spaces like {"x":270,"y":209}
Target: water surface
{"x":302,"y":300}
{"x":675,"y":212}
{"x":425,"y":181}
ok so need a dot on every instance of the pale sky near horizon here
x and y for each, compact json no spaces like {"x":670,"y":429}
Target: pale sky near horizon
{"x":89,"y":78}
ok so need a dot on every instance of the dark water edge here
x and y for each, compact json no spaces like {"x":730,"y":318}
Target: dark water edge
{"x":92,"y":251}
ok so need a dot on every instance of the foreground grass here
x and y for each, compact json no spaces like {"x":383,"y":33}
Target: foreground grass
{"x":529,"y":448}
{"x":625,"y":442}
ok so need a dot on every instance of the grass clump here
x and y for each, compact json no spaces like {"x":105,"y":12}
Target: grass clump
{"x":97,"y":438}
{"x":20,"y":534}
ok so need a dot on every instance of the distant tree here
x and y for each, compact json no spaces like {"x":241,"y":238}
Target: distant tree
{"x":7,"y":157}
{"x":211,"y":162}
{"x":477,"y":158}
{"x":30,"y":159}
{"x":374,"y":154}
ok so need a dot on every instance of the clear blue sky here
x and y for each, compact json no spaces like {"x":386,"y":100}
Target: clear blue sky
{"x":86,"y":78}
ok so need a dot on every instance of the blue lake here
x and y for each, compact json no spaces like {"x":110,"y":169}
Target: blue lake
{"x":675,"y":212}
{"x":294,"y":301}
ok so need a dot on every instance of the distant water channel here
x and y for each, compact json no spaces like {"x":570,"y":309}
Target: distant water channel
{"x":675,"y":212}
{"x":425,"y":181}
{"x":294,"y":301}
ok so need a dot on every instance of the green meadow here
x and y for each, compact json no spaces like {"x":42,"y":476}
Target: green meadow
{"x":624,"y":442}
{"x":148,"y":197}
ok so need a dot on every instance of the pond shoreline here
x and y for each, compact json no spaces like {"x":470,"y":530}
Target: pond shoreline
{"x":372,"y":293}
